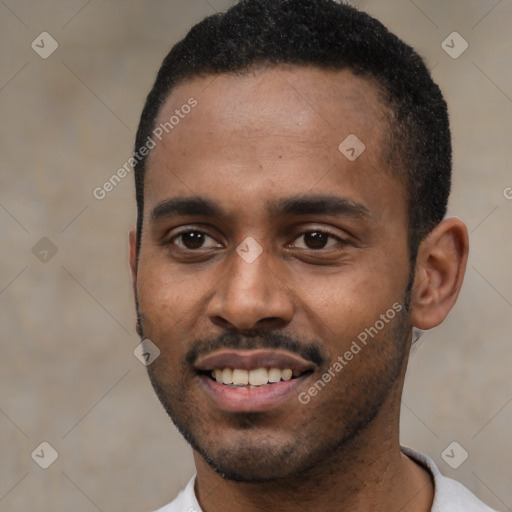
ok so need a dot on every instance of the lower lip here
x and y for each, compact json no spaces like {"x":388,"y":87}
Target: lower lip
{"x":257,"y":399}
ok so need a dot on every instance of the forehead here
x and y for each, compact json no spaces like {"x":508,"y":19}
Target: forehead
{"x":298,"y":100}
{"x":271,"y":130}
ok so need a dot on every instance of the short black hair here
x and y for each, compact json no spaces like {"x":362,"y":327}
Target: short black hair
{"x":332,"y":36}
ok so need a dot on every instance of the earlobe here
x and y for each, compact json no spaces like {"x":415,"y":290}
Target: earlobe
{"x":440,"y":267}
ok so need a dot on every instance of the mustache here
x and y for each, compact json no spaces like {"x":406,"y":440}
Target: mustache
{"x":262,"y":339}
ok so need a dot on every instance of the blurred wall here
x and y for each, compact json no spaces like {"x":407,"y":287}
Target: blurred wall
{"x":68,"y":373}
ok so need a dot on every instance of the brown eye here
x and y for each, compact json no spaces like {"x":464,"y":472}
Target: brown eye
{"x":194,"y":240}
{"x":316,"y":240}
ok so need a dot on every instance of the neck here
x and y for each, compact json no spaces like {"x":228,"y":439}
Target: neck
{"x":367,"y":473}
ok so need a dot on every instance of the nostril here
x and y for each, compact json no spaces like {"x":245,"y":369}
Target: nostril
{"x":219,"y":321}
{"x":273,"y":322}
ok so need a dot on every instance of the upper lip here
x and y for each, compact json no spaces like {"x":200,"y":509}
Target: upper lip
{"x":254,"y":359}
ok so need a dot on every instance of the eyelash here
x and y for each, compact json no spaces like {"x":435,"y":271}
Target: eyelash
{"x":186,"y":232}
{"x":204,"y":233}
{"x":323,"y":232}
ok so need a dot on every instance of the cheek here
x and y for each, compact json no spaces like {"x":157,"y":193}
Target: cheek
{"x":164,"y":299}
{"x":163,"y":305}
{"x":341,"y":306}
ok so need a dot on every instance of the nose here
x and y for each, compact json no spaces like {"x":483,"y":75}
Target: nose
{"x":250,"y":296}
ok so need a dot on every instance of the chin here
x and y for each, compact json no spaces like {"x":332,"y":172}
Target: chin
{"x":260,"y":455}
{"x":255,"y":465}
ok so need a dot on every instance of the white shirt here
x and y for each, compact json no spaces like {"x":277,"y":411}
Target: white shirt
{"x":449,"y":495}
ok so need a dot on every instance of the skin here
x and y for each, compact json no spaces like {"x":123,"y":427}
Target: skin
{"x":251,"y":142}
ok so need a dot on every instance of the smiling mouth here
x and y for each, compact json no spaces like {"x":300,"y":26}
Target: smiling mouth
{"x":253,"y":368}
{"x":257,"y":380}
{"x":250,"y":379}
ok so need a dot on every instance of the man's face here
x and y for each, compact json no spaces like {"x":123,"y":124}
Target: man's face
{"x":265,"y":247}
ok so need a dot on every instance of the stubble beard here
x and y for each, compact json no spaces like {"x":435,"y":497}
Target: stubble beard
{"x":255,"y":457}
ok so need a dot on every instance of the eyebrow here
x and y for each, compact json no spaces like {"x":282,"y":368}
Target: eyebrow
{"x":320,"y":205}
{"x":296,"y":205}
{"x":186,"y":206}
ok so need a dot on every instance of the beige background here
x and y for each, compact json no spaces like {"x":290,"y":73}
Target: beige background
{"x":68,"y":373}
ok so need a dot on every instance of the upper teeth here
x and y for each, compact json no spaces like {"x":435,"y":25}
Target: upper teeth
{"x":258,"y":377}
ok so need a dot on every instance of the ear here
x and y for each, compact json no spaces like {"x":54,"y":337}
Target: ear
{"x":133,"y":268}
{"x":133,"y":254}
{"x":440,"y":267}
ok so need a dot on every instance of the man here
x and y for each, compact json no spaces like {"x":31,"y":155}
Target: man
{"x":292,"y":167}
